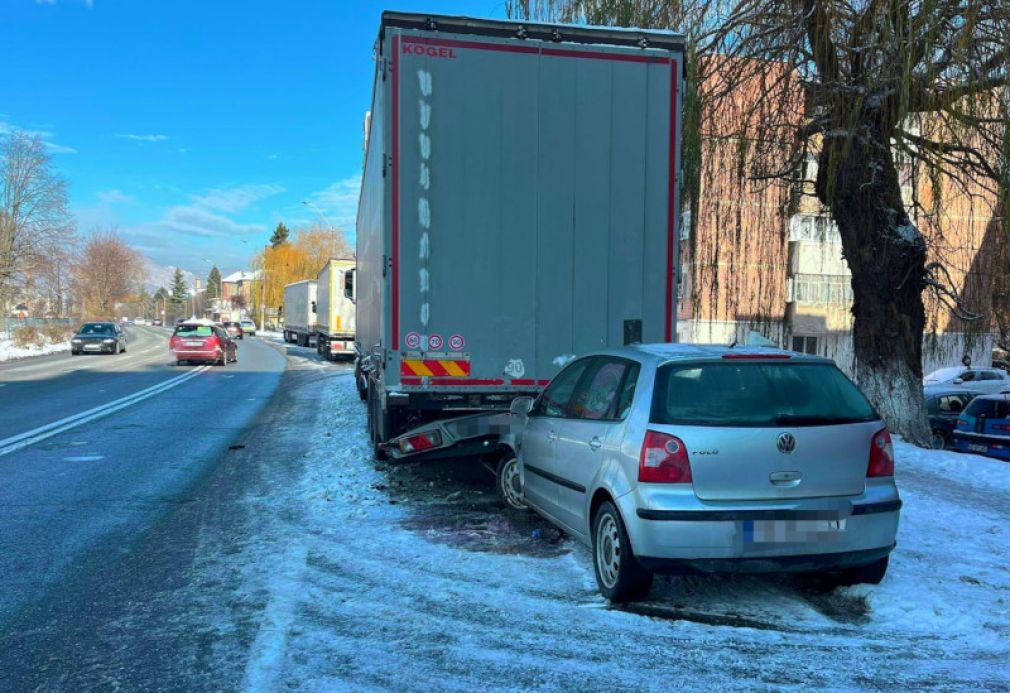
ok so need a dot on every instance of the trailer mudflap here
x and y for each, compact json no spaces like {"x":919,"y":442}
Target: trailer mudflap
{"x":463,"y":436}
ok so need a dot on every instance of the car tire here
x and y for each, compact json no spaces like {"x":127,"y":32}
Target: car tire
{"x":938,"y":441}
{"x":509,"y":489}
{"x":179,"y":362}
{"x":871,"y":574}
{"x":618,"y":574}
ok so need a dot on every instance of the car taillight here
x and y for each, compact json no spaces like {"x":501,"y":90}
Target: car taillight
{"x":1001,"y":427}
{"x":881,"y":455}
{"x":663,"y":460}
{"x":962,"y":424}
{"x":213,"y":342}
{"x":422,"y":441}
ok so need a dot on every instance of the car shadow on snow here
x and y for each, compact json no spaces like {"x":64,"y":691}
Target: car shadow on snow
{"x":455,"y":502}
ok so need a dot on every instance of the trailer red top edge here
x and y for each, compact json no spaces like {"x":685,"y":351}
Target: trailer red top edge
{"x":671,"y":202}
{"x":558,"y":52}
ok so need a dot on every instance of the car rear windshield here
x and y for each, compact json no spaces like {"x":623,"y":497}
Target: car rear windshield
{"x":98,"y":328}
{"x":194,"y":331}
{"x":989,"y":408}
{"x":757,"y":394}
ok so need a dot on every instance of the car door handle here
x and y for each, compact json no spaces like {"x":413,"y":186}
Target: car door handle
{"x":552,"y":436}
{"x":595,"y":443}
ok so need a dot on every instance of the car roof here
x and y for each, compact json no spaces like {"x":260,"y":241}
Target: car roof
{"x":198,"y":321}
{"x":668,"y":352}
{"x":997,"y":397}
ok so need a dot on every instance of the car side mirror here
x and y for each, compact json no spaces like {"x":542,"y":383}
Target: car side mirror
{"x":958,"y":381}
{"x":521,"y":406}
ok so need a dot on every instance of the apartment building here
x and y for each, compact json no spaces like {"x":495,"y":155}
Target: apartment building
{"x":766,"y":257}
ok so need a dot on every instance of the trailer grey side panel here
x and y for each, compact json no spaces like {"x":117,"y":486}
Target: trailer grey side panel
{"x":537,"y":203}
{"x":372,"y":236}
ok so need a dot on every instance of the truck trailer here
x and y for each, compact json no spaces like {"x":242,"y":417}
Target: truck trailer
{"x":335,"y":309}
{"x":300,"y":312}
{"x":519,"y":206}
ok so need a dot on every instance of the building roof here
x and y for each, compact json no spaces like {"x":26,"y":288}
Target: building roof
{"x":240,"y":276}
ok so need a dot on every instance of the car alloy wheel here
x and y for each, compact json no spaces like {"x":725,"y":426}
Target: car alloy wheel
{"x":509,"y":487}
{"x":618,"y":574}
{"x":938,"y":440}
{"x":608,"y":551}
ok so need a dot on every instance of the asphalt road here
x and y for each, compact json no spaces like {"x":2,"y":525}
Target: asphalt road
{"x":88,"y":493}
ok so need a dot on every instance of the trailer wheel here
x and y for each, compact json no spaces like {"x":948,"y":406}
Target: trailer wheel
{"x":362,"y":387}
{"x":378,"y":424}
{"x":509,"y":488}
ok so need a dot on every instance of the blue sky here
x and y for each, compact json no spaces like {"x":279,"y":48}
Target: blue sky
{"x":196,"y":125}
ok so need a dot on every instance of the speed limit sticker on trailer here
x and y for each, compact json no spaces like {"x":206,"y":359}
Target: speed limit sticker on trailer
{"x":435,"y":342}
{"x":456,"y":342}
{"x":412,"y":340}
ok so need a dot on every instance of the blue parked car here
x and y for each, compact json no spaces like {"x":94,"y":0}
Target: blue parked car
{"x":984,"y":427}
{"x":944,"y":406}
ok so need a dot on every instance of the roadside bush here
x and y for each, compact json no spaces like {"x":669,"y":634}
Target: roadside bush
{"x":25,"y":337}
{"x":56,"y":334}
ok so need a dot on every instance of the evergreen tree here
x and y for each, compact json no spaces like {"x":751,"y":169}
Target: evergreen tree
{"x":179,"y":292}
{"x":214,"y":283}
{"x":280,"y":236}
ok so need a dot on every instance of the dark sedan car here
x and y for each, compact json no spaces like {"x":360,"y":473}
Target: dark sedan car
{"x":98,"y":338}
{"x":944,"y":406}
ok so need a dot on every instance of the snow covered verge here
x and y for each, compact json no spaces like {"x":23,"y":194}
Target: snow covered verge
{"x":9,"y":351}
{"x":379,"y":577}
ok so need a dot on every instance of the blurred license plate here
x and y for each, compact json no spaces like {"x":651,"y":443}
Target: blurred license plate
{"x":92,"y":347}
{"x":196,"y":343}
{"x":791,"y":531}
{"x":975,"y":447}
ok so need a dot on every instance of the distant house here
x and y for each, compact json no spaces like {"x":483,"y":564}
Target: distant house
{"x":238,"y":283}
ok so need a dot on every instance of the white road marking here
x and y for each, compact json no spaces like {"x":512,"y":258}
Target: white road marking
{"x":84,"y":458}
{"x":23,"y":440}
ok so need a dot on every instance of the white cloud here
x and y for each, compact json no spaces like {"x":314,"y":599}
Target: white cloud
{"x":142,"y":138}
{"x":114,"y":197}
{"x":7,"y":127}
{"x":235,"y":199}
{"x":339,"y":202}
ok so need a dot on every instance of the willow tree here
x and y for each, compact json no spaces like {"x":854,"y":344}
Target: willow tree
{"x":880,"y":79}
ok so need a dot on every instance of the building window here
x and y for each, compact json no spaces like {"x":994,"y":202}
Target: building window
{"x":805,"y":344}
{"x":810,"y":227}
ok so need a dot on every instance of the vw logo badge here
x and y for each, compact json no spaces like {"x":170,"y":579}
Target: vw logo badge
{"x":786,"y":443}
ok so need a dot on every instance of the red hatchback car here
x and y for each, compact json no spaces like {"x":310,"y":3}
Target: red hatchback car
{"x":234,"y":329}
{"x":201,"y":340}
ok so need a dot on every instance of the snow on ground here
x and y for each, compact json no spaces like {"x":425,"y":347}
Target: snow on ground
{"x":367,"y":576}
{"x":8,"y":351}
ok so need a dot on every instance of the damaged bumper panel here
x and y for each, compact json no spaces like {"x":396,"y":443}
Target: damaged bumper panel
{"x":474,"y":434}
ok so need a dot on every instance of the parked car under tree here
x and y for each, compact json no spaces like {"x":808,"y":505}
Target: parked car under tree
{"x":678,"y":458}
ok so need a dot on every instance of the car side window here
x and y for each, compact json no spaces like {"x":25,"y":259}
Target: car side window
{"x":627,"y":397}
{"x":554,"y":400}
{"x":968,"y":376}
{"x":951,"y":404}
{"x":989,"y":375}
{"x":596,"y":397}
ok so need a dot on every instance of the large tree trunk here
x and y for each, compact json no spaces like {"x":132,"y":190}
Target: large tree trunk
{"x":858,"y":181}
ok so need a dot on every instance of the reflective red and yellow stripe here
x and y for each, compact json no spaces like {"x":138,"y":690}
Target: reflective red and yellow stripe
{"x":438,"y":368}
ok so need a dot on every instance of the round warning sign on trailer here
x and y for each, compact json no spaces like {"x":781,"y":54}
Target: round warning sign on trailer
{"x":456,"y":342}
{"x":412,"y":340}
{"x":435,"y":342}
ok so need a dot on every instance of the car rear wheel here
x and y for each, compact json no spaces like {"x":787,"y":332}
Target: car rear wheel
{"x":938,"y":441}
{"x":509,"y":488}
{"x":618,"y":575}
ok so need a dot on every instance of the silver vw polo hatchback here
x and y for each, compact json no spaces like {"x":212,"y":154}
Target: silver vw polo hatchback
{"x":682,"y":458}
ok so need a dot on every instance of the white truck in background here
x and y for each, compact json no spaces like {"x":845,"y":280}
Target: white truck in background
{"x":335,"y":309}
{"x":300,"y":312}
